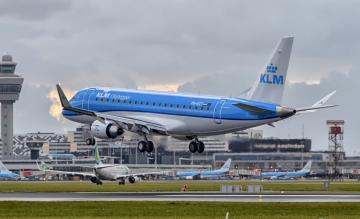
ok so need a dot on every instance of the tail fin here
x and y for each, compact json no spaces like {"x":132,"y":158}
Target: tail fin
{"x":269,"y":87}
{"x":97,"y":155}
{"x":307,"y":167}
{"x":42,"y":166}
{"x":226,"y":165}
{"x":3,"y":168}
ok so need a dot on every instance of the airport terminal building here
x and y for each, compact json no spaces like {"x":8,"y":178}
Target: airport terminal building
{"x":248,"y":150}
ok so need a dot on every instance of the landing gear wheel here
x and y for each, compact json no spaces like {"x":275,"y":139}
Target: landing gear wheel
{"x":193,"y":147}
{"x":201,"y":147}
{"x":90,"y":141}
{"x":122,"y":182}
{"x":99,"y":182}
{"x":149,"y":146}
{"x":142,"y":145}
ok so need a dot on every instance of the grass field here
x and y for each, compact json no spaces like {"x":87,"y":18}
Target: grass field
{"x":179,"y":210}
{"x":149,"y":186}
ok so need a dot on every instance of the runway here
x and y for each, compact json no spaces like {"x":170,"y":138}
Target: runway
{"x":177,"y":196}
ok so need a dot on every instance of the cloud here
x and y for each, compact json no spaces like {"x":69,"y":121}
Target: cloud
{"x":208,"y":47}
{"x":56,"y":108}
{"x":33,"y":10}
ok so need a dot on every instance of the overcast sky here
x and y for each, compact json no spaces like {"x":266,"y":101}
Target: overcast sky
{"x":209,"y":47}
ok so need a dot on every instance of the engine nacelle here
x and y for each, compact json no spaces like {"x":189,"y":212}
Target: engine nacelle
{"x":133,"y":179}
{"x":105,"y":130}
{"x":94,"y":179}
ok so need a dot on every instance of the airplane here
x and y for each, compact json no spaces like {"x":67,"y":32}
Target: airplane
{"x":223,"y":171}
{"x":103,"y":172}
{"x":111,"y":111}
{"x":288,"y":175}
{"x":6,"y":174}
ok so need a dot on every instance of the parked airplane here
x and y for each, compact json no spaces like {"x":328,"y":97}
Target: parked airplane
{"x":111,"y":111}
{"x":103,"y":172}
{"x":6,"y":174}
{"x":223,"y":171}
{"x":288,"y":175}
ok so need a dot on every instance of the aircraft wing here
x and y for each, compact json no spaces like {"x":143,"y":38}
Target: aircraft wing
{"x":71,"y":173}
{"x":124,"y":122}
{"x":318,"y":105}
{"x":46,"y":169}
{"x":124,"y":176}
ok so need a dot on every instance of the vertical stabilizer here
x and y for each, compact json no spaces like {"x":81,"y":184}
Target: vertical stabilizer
{"x":307,"y":167}
{"x":270,"y":84}
{"x":226,"y":165}
{"x":3,"y":168}
{"x":97,"y":155}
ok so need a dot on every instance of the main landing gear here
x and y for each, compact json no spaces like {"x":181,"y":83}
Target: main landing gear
{"x":90,"y":141}
{"x":196,"y":146}
{"x":147,"y":146}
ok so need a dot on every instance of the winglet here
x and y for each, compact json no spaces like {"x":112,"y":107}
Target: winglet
{"x":63,"y":100}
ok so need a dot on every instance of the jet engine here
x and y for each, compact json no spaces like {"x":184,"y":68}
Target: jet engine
{"x":133,"y":179}
{"x":94,"y":179}
{"x":105,"y":130}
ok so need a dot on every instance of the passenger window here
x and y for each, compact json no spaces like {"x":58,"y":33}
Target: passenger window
{"x":101,"y":99}
{"x":195,"y":107}
{"x":184,"y":106}
{"x":171,"y":105}
{"x":154,"y":103}
{"x":141,"y":103}
{"x":135,"y":102}
{"x":124,"y":101}
{"x":118,"y":100}
{"x":201,"y":108}
{"x":147,"y":103}
{"x":165,"y":105}
{"x":159,"y":104}
{"x":177,"y":106}
{"x":129,"y":101}
{"x":189,"y":107}
{"x":113,"y":100}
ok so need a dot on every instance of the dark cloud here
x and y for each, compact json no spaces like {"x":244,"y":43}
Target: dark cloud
{"x":215,"y":47}
{"x":32,"y":10}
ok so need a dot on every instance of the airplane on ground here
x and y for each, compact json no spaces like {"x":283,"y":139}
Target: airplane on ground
{"x":288,"y":175}
{"x":103,"y":172}
{"x":223,"y":171}
{"x":6,"y":174}
{"x":111,"y":111}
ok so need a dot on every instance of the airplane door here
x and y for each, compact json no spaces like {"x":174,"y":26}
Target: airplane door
{"x":217,"y":111}
{"x":91,"y":95}
{"x":85,"y":100}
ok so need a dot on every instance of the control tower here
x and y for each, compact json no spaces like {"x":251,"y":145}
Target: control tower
{"x":10,"y":87}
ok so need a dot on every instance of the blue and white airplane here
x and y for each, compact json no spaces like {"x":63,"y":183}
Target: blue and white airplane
{"x":6,"y":174}
{"x":288,"y":175}
{"x":111,"y":111}
{"x":223,"y":171}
